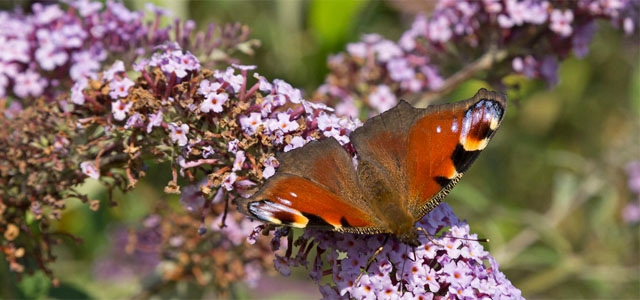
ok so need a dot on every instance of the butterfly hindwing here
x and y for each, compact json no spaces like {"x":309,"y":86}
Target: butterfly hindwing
{"x":315,"y":187}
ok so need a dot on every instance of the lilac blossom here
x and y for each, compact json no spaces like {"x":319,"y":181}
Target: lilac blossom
{"x":427,"y":271}
{"x":561,"y":22}
{"x":130,"y":257}
{"x":120,"y":109}
{"x":120,"y":88}
{"x":192,"y":197}
{"x":154,"y":121}
{"x":77,"y":41}
{"x":214,"y":102}
{"x":283,"y":123}
{"x":235,"y":81}
{"x":414,"y":64}
{"x":251,"y":123}
{"x":179,"y":133}
{"x":382,"y":99}
{"x":89,"y":169}
{"x":29,"y":83}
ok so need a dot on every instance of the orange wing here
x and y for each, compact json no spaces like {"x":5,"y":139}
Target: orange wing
{"x":444,"y":141}
{"x":422,"y":153}
{"x":316,"y":186}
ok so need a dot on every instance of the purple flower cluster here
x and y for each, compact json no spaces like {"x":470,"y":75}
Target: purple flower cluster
{"x":220,"y":129}
{"x":547,"y":32}
{"x":45,"y":53}
{"x":132,"y":254}
{"x":454,"y":269}
{"x":631,"y":212}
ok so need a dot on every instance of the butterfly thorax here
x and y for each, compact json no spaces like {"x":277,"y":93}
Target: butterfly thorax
{"x":385,"y":200}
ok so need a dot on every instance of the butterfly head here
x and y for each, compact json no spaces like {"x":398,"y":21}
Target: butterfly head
{"x":409,"y":237}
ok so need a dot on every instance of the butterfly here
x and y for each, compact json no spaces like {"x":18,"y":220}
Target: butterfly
{"x":408,"y":160}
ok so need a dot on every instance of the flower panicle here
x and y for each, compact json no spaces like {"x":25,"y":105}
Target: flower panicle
{"x":453,"y":268}
{"x":526,"y":37}
{"x":54,"y":49}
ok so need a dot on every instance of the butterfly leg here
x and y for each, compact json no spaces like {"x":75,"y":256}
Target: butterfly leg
{"x":373,"y":257}
{"x":224,"y":216}
{"x":429,"y":236}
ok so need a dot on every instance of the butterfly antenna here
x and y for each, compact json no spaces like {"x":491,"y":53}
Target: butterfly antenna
{"x":429,"y":236}
{"x":481,"y":240}
{"x":370,"y":261}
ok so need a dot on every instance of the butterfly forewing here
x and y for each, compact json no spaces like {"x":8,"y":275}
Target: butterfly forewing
{"x":443,"y":142}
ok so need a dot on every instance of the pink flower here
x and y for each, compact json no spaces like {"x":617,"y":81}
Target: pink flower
{"x":154,"y":121}
{"x":284,"y":88}
{"x":400,"y":70}
{"x":251,"y":123}
{"x":296,"y":142}
{"x":120,"y":88}
{"x":235,"y":81}
{"x":386,"y":50}
{"x":213,"y":102}
{"x":207,"y":87}
{"x":430,"y":278}
{"x":179,"y":133}
{"x":29,"y":83}
{"x":239,"y":161}
{"x":264,"y":84}
{"x":120,"y":109}
{"x":233,"y":146}
{"x":440,"y":29}
{"x":89,"y":169}
{"x":536,"y":13}
{"x":191,"y":197}
{"x":283,"y":123}
{"x":434,"y":80}
{"x":77,"y":95}
{"x":228,"y":181}
{"x":628,"y":26}
{"x":117,"y":67}
{"x":50,"y":57}
{"x":270,"y":165}
{"x":582,"y":38}
{"x":357,"y":49}
{"x":561,"y":22}
{"x":347,"y":108}
{"x":382,"y":98}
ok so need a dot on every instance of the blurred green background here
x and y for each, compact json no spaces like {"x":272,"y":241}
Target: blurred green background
{"x":549,"y":190}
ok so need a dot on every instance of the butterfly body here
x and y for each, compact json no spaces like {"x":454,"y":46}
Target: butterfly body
{"x":408,"y":159}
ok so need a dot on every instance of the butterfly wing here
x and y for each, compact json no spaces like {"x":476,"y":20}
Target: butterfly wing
{"x":315,"y":187}
{"x":381,"y":146}
{"x":444,"y":141}
{"x":426,"y":151}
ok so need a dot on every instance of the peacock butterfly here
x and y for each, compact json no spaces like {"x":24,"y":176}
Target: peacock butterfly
{"x":408,"y":159}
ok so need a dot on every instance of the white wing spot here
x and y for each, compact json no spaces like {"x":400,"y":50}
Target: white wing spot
{"x":293,"y":194}
{"x":454,"y":126}
{"x":438,"y":129}
{"x":284,"y":201}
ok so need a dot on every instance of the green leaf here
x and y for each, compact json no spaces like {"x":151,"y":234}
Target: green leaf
{"x":330,"y":20}
{"x":35,"y":286}
{"x":68,"y":291}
